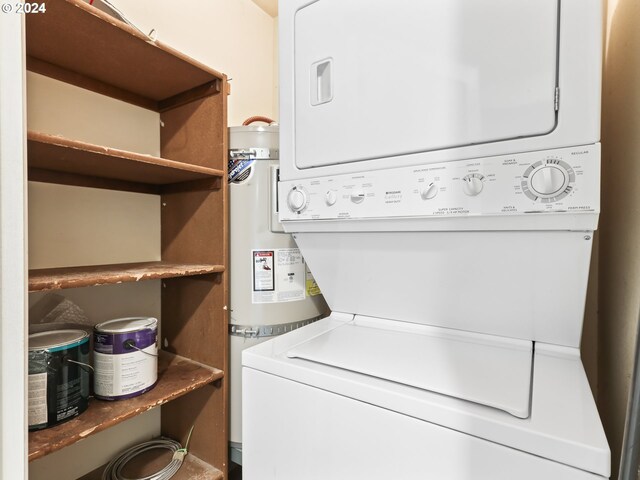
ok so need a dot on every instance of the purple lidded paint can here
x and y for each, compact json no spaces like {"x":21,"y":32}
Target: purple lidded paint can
{"x":125,"y":357}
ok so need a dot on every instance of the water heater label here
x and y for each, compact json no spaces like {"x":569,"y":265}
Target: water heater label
{"x":312,"y":286}
{"x":278,"y":275}
{"x":238,"y":168}
{"x":263,"y":273}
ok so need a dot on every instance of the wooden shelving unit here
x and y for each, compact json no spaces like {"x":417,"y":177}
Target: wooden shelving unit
{"x":78,"y":44}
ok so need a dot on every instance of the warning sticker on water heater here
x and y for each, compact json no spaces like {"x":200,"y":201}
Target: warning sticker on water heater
{"x":312,"y":286}
{"x":278,"y":275}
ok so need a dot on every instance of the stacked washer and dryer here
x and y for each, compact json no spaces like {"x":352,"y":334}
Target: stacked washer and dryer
{"x":272,"y":291}
{"x":440,"y":172}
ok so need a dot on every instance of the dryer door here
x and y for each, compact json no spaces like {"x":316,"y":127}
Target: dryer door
{"x":394,"y":77}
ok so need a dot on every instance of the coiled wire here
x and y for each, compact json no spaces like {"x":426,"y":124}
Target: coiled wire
{"x":113,"y":471}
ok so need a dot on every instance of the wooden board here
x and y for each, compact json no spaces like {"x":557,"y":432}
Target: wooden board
{"x":176,"y":377}
{"x":76,"y":277}
{"x":198,"y":329}
{"x":112,"y":58}
{"x":204,"y":408}
{"x":49,"y":154}
{"x":196,"y":133}
{"x":195,"y":229}
{"x":150,"y":462}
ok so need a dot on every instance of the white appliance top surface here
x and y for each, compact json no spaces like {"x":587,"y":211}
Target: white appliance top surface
{"x":484,"y":369}
{"x":563,"y":424}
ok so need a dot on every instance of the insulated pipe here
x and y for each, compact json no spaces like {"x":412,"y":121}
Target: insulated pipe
{"x":631,"y":441}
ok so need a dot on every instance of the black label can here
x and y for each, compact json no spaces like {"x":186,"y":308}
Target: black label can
{"x":58,"y":377}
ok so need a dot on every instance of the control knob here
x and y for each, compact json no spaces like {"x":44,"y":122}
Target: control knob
{"x":297,"y":199}
{"x":548,"y":180}
{"x":357,"y":196}
{"x":472,"y":184}
{"x":429,"y":192}
{"x":331,"y":197}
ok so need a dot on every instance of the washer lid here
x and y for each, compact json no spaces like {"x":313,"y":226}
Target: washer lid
{"x":484,"y":369}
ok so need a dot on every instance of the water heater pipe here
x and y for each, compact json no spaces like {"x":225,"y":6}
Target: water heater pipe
{"x":257,"y":118}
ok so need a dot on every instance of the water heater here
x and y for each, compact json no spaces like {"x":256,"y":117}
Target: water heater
{"x":272,"y":291}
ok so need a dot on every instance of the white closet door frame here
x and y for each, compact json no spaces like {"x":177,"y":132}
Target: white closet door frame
{"x":13,"y":278}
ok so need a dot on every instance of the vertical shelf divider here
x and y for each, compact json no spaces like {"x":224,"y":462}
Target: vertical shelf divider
{"x":195,"y":316}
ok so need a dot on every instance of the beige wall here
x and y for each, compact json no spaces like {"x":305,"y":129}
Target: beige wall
{"x":619,"y":263}
{"x":233,"y":36}
{"x":78,"y":226}
{"x":276,"y":71}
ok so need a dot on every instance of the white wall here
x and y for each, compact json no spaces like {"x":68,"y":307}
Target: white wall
{"x":79,"y":226}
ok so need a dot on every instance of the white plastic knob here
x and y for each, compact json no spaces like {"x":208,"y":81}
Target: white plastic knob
{"x":472,"y":186}
{"x":331,"y":197}
{"x":297,"y":199}
{"x":429,"y":192}
{"x":548,"y":180}
{"x":357,"y":196}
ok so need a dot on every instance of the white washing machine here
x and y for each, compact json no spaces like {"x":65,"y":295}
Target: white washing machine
{"x":440,"y":172}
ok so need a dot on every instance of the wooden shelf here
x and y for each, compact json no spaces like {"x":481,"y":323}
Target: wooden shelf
{"x":76,"y":277}
{"x":150,"y":462}
{"x":79,"y":44}
{"x":176,"y":377}
{"x":55,"y":159}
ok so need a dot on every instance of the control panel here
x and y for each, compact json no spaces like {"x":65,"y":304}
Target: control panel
{"x":564,"y":180}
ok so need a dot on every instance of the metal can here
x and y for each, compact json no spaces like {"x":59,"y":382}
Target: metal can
{"x":125,"y":357}
{"x":58,"y":376}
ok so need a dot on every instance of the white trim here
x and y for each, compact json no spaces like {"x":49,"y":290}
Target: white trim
{"x":13,"y":325}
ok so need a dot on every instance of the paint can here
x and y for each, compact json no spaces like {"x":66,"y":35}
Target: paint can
{"x":125,"y":356}
{"x":58,"y":376}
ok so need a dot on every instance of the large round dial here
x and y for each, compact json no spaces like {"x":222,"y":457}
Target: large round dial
{"x":297,"y":199}
{"x":472,"y":184}
{"x":548,"y":180}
